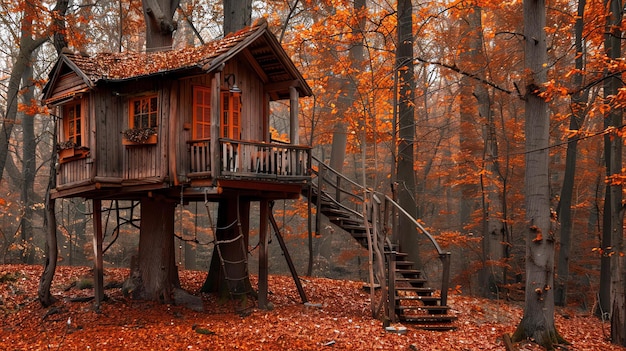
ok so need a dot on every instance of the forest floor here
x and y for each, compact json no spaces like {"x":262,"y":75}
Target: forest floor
{"x":342,"y":320}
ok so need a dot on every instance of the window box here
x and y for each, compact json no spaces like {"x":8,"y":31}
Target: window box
{"x":70,"y":152}
{"x":139,"y":136}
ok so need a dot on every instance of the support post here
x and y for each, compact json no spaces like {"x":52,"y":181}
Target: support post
{"x":294,"y":124}
{"x":318,"y":203}
{"x":216,"y":165}
{"x":283,"y":246}
{"x":391,"y":284}
{"x":98,"y":280}
{"x":445,"y":277}
{"x":263,"y":254}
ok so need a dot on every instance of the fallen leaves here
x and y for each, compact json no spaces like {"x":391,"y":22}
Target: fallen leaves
{"x":337,"y":317}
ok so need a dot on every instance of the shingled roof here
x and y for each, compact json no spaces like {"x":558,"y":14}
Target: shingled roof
{"x":128,"y":65}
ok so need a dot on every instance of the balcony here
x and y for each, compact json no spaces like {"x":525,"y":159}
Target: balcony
{"x":250,"y":160}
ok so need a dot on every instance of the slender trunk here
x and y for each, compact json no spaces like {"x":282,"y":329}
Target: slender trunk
{"x":579,"y":100}
{"x":28,"y":168}
{"x":45,"y":282}
{"x":614,"y":228}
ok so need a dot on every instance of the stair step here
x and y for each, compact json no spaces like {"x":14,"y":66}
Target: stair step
{"x":353,"y":227}
{"x":404,"y":263}
{"x":428,"y":319}
{"x":416,"y":282}
{"x":345,"y":220}
{"x":336,"y":212}
{"x":413,"y":273}
{"x":426,"y":300}
{"x":431,"y":310}
{"x":420,"y":291}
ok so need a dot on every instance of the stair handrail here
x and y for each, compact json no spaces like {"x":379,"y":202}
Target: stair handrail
{"x":444,"y":256}
{"x":391,"y":201}
{"x":417,"y":224}
{"x":337,"y":173}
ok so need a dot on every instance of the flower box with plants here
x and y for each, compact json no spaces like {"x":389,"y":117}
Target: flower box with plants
{"x":139,"y":136}
{"x":68,"y":151}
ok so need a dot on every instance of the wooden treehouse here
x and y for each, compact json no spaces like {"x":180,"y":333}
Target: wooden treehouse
{"x":190,"y":124}
{"x":193,"y":124}
{"x":139,"y":123}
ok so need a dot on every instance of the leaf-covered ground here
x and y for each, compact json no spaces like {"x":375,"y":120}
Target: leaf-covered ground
{"x":342,"y":322}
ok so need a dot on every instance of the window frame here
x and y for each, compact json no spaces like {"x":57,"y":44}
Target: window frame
{"x":199,"y":127}
{"x":147,"y":99}
{"x":230,"y":115}
{"x":73,"y":134}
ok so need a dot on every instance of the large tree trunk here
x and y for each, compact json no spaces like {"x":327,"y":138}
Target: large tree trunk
{"x":578,"y":103}
{"x":538,"y":320}
{"x":233,"y":213}
{"x":160,"y":26}
{"x":237,"y":15}
{"x":232,"y":221}
{"x":406,"y":131}
{"x":154,"y":274}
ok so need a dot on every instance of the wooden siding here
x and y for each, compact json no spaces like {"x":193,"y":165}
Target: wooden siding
{"x":141,"y":162}
{"x":107,"y":138}
{"x":75,"y":171}
{"x":66,"y":86}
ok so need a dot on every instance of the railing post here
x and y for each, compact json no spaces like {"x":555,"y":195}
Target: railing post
{"x":338,"y":189}
{"x":391,"y":285}
{"x":318,"y":205}
{"x":445,"y":277}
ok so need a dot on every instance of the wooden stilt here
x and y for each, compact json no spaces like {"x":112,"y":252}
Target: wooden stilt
{"x":263,"y":254}
{"x":98,"y":272}
{"x":283,"y":246}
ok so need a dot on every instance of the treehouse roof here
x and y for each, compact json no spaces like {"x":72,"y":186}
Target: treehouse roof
{"x":259,"y":46}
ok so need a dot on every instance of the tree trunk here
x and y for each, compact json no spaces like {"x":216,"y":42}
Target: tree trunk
{"x":232,"y":214}
{"x":28,"y":168}
{"x":406,"y":131}
{"x":237,"y":15}
{"x":578,"y":103}
{"x":45,"y":282}
{"x":538,"y":320}
{"x":27,"y":46}
{"x":160,"y":26}
{"x":614,"y":229}
{"x":232,"y":220}
{"x":50,"y":221}
{"x":154,"y":276}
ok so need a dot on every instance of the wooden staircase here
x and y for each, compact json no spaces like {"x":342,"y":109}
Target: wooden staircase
{"x":409,"y":299}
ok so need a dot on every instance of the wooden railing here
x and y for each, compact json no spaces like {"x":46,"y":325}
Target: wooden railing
{"x":200,"y":156}
{"x":251,"y":159}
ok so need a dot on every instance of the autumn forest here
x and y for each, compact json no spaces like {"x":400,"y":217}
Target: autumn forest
{"x":497,"y":125}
